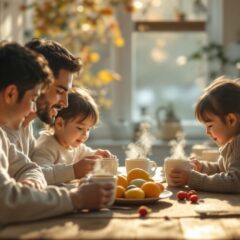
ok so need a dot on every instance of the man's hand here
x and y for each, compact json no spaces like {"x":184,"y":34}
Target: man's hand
{"x":179,"y":177}
{"x":84,"y":166}
{"x":92,"y":195}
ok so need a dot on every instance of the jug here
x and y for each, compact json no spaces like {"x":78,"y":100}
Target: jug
{"x":168,"y":123}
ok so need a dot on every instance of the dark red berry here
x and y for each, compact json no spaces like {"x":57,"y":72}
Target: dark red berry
{"x":190,"y":193}
{"x":143,"y":211}
{"x":181,"y":195}
{"x":194,"y":198}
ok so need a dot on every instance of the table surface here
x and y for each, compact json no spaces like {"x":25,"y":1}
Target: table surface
{"x":169,"y":219}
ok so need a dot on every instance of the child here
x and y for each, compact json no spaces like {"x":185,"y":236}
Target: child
{"x":61,"y":154}
{"x":219,"y":110}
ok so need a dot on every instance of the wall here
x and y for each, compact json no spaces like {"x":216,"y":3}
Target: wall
{"x":231,"y":21}
{"x":224,"y":28}
{"x":12,"y":20}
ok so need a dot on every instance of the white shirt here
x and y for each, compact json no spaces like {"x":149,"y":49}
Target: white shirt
{"x":57,"y":161}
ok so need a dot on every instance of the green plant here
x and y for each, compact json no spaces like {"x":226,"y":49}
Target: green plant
{"x":214,"y":52}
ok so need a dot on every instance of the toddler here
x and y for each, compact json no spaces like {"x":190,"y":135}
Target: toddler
{"x":62,"y":153}
{"x":219,"y":111}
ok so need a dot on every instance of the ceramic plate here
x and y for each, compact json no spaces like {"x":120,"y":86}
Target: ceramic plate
{"x":123,"y":201}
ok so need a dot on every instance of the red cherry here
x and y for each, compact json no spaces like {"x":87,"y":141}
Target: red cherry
{"x":193,"y":198}
{"x":143,"y":211}
{"x":190,"y":193}
{"x":181,"y":195}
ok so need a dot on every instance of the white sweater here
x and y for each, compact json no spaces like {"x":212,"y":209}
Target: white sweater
{"x":20,"y":203}
{"x":24,"y":141}
{"x":222,"y":176}
{"x":55,"y":160}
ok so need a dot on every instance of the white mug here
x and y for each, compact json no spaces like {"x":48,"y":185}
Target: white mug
{"x":105,"y":179}
{"x":170,"y":163}
{"x":107,"y":166}
{"x":143,"y":163}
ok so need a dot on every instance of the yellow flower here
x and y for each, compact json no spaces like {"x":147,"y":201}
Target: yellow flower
{"x":94,"y":57}
{"x":104,"y":76}
{"x":119,"y":42}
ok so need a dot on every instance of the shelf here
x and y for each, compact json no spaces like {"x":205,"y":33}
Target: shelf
{"x":170,"y":26}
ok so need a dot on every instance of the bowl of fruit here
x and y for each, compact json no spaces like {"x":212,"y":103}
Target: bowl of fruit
{"x":137,"y":187}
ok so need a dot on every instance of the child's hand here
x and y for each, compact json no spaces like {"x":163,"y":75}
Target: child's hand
{"x":104,"y":153}
{"x":32,"y":183}
{"x":84,"y":166}
{"x":179,"y":177}
{"x":196,"y":164}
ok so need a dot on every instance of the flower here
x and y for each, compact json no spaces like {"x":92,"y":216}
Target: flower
{"x":80,"y":26}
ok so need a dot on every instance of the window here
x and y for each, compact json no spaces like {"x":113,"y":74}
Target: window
{"x":154,"y":64}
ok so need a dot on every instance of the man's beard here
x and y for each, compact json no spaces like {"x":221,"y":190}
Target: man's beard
{"x":43,"y":110}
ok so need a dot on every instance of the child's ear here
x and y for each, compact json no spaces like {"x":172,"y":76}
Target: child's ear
{"x":11,"y":94}
{"x":59,"y":123}
{"x":232,"y":119}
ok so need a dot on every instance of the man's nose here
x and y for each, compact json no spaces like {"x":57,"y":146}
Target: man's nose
{"x":64,"y":100}
{"x":33,"y":107}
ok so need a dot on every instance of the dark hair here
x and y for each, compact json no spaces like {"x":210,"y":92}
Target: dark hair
{"x":57,"y":56}
{"x":80,"y":103}
{"x":22,"y":67}
{"x":220,"y":98}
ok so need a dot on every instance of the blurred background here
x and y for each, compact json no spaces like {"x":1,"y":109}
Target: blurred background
{"x":144,"y":60}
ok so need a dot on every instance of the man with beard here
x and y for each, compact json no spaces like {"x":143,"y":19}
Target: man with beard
{"x":23,"y":76}
{"x":63,"y":65}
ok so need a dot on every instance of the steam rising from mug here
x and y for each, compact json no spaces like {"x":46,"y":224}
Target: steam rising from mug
{"x":143,"y":145}
{"x":177,"y":147}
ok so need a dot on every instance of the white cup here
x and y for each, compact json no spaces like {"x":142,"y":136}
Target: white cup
{"x":107,"y":166}
{"x":143,"y":163}
{"x":169,"y":164}
{"x":105,"y":179}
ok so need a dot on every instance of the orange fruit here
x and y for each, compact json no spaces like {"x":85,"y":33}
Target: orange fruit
{"x":120,"y":190}
{"x":122,"y":181}
{"x":151,"y":189}
{"x":134,"y":193}
{"x":137,"y":173}
{"x":160,"y":186}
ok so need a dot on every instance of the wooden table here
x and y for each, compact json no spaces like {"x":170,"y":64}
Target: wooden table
{"x":169,"y":219}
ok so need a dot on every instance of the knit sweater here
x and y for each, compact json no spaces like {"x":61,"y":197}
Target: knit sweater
{"x":222,"y":176}
{"x":20,"y":203}
{"x":24,"y":141}
{"x":57,"y":161}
